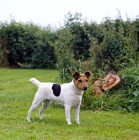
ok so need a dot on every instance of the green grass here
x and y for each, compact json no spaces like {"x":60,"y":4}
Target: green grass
{"x":16,"y":95}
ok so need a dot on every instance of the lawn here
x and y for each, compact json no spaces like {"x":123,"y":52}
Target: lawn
{"x":16,"y":95}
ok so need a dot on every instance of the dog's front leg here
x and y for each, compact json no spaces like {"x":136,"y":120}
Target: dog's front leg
{"x":76,"y":113}
{"x":67,"y":114}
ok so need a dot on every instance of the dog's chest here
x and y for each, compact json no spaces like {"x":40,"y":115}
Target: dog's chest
{"x":75,"y":102}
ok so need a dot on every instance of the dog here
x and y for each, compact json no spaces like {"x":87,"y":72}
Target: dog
{"x":68,"y":94}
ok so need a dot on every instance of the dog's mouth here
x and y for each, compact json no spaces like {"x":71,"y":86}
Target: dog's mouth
{"x":85,"y":88}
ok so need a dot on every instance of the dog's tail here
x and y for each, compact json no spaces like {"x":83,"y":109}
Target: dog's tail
{"x":35,"y":82}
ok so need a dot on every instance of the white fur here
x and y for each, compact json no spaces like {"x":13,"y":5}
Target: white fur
{"x":70,"y":96}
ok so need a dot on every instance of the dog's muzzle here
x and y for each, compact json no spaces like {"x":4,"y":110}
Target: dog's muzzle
{"x":85,"y":88}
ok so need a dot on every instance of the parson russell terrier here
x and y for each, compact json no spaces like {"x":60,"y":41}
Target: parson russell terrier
{"x":68,"y":94}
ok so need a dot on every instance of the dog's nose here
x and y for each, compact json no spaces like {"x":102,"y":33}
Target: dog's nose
{"x":85,"y":88}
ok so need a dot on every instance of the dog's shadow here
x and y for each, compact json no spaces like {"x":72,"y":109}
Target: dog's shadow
{"x":59,"y":121}
{"x":52,"y":121}
{"x":50,"y":117}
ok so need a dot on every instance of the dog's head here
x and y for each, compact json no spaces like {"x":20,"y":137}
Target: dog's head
{"x":81,"y":80}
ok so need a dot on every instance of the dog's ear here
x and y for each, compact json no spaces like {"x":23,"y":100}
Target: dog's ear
{"x":76,"y":75}
{"x":87,"y":74}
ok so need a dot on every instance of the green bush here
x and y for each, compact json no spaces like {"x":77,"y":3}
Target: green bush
{"x":113,"y":46}
{"x":28,"y":45}
{"x":81,"y":42}
{"x":131,"y":87}
{"x":66,"y":63}
{"x":119,"y":45}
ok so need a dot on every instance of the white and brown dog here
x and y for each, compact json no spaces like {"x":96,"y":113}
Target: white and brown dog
{"x":68,"y":94}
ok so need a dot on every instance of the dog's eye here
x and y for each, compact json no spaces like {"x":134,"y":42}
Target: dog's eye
{"x":79,"y":81}
{"x":86,"y":80}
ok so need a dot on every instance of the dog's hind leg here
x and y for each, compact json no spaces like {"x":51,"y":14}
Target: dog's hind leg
{"x":32,"y":108}
{"x":45,"y":104}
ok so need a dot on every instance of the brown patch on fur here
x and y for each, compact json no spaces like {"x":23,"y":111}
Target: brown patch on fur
{"x":81,"y":80}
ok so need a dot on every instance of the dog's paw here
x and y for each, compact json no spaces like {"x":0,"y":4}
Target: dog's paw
{"x":69,"y":123}
{"x":41,"y":118}
{"x":77,"y":122}
{"x":28,"y":120}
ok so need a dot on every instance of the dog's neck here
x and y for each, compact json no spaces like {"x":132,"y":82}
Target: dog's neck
{"x":76,"y":89}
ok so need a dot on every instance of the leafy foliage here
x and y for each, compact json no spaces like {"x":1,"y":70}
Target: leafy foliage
{"x":118,"y":43}
{"x":66,"y":63}
{"x":81,"y":41}
{"x":131,"y":87}
{"x":28,"y":45}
